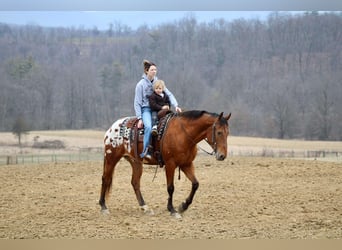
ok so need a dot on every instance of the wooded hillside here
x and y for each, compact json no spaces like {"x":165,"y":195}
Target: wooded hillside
{"x":280,"y":78}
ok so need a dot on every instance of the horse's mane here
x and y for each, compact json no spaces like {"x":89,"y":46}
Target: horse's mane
{"x":195,"y":114}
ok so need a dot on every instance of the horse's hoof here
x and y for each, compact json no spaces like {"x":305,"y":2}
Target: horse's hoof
{"x":147,"y":210}
{"x":176,"y":215}
{"x":151,"y":212}
{"x":105,"y":211}
{"x":181,"y":208}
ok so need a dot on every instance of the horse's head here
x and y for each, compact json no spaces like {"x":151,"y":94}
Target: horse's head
{"x":217,"y":136}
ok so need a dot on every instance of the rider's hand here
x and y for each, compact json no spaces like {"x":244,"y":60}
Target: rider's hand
{"x":140,"y":124}
{"x":178,"y":109}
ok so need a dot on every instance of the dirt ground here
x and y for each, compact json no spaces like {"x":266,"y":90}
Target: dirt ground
{"x":239,"y":198}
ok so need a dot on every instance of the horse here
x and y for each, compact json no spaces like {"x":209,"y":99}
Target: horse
{"x":177,"y":147}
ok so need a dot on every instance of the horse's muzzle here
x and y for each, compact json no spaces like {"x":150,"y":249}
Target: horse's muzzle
{"x":220,"y":157}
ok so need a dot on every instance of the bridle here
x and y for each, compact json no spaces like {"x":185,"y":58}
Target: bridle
{"x":213,"y":138}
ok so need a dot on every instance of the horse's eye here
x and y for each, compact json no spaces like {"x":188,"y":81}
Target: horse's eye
{"x":219,"y":133}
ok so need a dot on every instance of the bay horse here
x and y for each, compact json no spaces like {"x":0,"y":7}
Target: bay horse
{"x":177,"y":146}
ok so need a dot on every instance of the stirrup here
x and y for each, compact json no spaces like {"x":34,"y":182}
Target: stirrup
{"x":144,"y":153}
{"x":148,"y":156}
{"x":154,"y":131}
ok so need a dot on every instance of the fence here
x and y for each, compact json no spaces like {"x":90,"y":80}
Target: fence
{"x":46,"y":158}
{"x":281,"y":153}
{"x":96,"y":156}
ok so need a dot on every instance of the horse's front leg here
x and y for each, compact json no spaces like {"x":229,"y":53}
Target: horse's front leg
{"x":189,"y":172}
{"x":137,"y":170}
{"x":170,"y":172}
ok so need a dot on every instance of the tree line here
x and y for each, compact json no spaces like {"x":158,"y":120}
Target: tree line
{"x":281,"y":77}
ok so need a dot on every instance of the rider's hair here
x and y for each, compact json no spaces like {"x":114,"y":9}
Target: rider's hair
{"x":147,"y":64}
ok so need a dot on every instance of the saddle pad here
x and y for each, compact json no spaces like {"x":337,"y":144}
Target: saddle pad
{"x":127,"y":131}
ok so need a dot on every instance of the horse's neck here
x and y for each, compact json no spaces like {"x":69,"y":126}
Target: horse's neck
{"x":197,"y":128}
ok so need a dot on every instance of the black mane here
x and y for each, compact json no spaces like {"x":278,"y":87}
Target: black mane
{"x":195,"y":114}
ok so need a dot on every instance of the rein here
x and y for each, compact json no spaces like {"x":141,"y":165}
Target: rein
{"x":213,"y":137}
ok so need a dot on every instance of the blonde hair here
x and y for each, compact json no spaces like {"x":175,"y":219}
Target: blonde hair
{"x":159,"y":83}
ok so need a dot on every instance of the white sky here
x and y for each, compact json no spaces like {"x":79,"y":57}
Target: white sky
{"x":133,"y":19}
{"x":134,"y":13}
{"x":171,"y":5}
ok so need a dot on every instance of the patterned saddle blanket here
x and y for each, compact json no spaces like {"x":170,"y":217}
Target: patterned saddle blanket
{"x":125,"y":131}
{"x":128,"y":127}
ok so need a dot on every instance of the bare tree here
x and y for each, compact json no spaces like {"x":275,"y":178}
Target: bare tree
{"x":281,"y":77}
{"x":20,"y":128}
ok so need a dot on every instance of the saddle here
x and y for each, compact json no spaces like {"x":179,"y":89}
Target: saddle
{"x":129,"y":127}
{"x":163,"y":117}
{"x":130,"y":123}
{"x":162,"y":113}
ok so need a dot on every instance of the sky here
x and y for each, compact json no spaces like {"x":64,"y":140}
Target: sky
{"x":133,"y":19}
{"x":170,"y":5}
{"x":134,"y":13}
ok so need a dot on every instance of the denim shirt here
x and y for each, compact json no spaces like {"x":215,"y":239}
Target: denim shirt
{"x":143,"y":90}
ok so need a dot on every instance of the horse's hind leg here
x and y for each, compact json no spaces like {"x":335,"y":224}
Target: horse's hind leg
{"x":109,"y":163}
{"x":137,"y":170}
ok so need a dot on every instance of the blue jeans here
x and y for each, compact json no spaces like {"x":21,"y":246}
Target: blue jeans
{"x":146,"y":116}
{"x":154,"y":118}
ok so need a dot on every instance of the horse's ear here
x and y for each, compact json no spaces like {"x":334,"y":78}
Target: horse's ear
{"x":220,"y":116}
{"x":228,"y":116}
